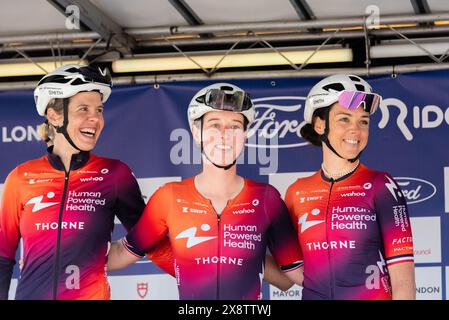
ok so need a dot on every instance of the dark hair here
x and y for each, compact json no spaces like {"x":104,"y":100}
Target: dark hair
{"x":308,"y":131}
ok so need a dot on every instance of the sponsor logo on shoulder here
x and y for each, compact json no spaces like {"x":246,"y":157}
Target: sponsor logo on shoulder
{"x":243,"y":211}
{"x":306,"y":199}
{"x":193,"y":210}
{"x":353,"y":194}
{"x":91,"y":178}
{"x":34,"y":181}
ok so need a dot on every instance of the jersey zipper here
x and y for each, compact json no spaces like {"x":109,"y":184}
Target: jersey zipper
{"x":219,"y":256}
{"x":331,"y":280}
{"x":58,"y":240}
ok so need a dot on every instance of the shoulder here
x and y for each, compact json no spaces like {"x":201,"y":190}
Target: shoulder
{"x":378,"y":177}
{"x":94,"y":159}
{"x":108,"y":165}
{"x":305,"y":182}
{"x":260,"y":187}
{"x":183,"y":184}
{"x":384,"y":185}
{"x":173,"y":188}
{"x":31,"y":166}
{"x":369,"y":173}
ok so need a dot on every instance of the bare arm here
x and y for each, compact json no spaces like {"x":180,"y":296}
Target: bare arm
{"x":402,"y":277}
{"x":297,"y":275}
{"x":119,"y":257}
{"x":281,"y":280}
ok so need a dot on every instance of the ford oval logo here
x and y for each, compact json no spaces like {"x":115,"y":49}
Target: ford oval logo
{"x":416,"y":190}
{"x":278,"y":123}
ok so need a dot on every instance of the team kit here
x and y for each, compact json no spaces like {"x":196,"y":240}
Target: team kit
{"x":342,"y":233}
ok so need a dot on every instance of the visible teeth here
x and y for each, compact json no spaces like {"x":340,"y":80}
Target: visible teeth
{"x":88,"y":131}
{"x":223,"y":147}
{"x":351,"y":141}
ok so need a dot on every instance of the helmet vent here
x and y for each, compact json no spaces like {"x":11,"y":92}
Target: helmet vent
{"x":72,"y":70}
{"x":54,"y":79}
{"x":334,"y":86}
{"x":226,"y":88}
{"x":78,"y":82}
{"x":360,"y":87}
{"x":200,"y":99}
{"x":354,"y":78}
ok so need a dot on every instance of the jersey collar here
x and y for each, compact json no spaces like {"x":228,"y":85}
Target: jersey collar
{"x":78,"y":160}
{"x":325,"y":178}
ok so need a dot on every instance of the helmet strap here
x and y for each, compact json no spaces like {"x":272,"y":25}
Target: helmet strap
{"x":227,"y":167}
{"x":48,"y":127}
{"x":324,"y":138}
{"x":63,"y":129}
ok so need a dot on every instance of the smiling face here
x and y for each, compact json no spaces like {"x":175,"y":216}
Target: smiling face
{"x":223,"y":136}
{"x":348,"y":130}
{"x":85,"y":115}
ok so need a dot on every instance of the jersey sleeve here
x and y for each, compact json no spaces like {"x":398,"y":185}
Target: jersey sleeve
{"x":129,"y":201}
{"x":394,"y":222}
{"x":282,"y":239}
{"x":162,"y":256}
{"x":152,"y":226}
{"x":9,"y":231}
{"x":289,"y":201}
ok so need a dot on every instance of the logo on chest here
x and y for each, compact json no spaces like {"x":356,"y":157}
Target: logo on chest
{"x":192,"y":238}
{"x":39,"y":202}
{"x":306,"y":222}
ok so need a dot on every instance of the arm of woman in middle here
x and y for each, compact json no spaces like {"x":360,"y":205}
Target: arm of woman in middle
{"x":283,"y":243}
{"x":119,"y":257}
{"x":147,"y":233}
{"x":274,"y":275}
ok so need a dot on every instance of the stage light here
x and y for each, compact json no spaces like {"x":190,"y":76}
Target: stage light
{"x":232,"y":60}
{"x":16,"y":69}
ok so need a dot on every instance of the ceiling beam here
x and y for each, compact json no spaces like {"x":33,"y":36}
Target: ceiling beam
{"x":284,"y":25}
{"x":187,"y":13}
{"x":98,"y":21}
{"x":303,"y":10}
{"x":420,"y":6}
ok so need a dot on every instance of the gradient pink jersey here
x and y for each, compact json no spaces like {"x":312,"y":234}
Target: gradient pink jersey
{"x":350,"y":230}
{"x":65,"y":221}
{"x":218,"y":257}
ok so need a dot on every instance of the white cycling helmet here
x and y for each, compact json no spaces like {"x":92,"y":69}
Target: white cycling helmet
{"x":220,"y":97}
{"x":68,"y":80}
{"x":328,"y":91}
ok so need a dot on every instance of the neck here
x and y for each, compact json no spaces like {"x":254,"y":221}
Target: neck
{"x":213,"y":180}
{"x":335,"y":167}
{"x":64,"y":151}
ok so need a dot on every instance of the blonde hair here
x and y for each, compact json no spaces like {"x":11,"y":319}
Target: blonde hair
{"x":47,"y":131}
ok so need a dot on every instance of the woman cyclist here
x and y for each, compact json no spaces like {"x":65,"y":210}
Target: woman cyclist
{"x":352,"y":222}
{"x":219,"y":224}
{"x":63,"y":204}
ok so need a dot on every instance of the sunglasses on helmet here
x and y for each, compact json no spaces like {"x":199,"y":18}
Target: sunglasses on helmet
{"x":353,"y":99}
{"x":220,"y":100}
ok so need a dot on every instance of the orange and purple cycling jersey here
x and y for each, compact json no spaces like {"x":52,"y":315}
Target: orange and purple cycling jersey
{"x":65,"y":221}
{"x":350,"y":231}
{"x":218,"y":256}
